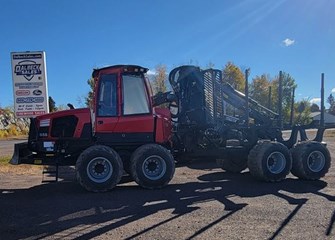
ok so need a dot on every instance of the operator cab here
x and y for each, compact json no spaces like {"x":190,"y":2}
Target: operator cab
{"x":122,"y":108}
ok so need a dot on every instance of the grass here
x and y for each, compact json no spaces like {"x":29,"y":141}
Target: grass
{"x":4,"y":160}
{"x":6,"y":167}
{"x":13,"y":137}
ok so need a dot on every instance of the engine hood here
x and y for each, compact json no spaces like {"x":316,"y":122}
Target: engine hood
{"x":76,"y":112}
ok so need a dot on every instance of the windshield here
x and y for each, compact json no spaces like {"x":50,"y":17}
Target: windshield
{"x":135,"y":99}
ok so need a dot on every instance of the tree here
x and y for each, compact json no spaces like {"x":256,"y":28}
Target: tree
{"x":234,"y":76}
{"x":61,"y":107}
{"x":302,"y":112}
{"x":331,"y":102}
{"x":288,"y":84}
{"x":315,"y":108}
{"x":52,"y":105}
{"x":259,"y":89}
{"x":210,"y":65}
{"x":90,"y":95}
{"x":159,"y":79}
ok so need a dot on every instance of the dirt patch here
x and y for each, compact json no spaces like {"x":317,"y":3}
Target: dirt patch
{"x":20,"y":169}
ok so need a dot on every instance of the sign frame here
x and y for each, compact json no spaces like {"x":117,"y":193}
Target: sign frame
{"x":30,"y":85}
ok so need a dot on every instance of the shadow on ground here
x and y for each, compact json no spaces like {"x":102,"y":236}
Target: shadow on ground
{"x":48,"y":209}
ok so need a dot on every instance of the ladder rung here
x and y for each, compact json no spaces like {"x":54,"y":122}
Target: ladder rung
{"x":55,"y":172}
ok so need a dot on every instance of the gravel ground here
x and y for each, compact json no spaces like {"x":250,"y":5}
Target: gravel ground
{"x":201,"y":202}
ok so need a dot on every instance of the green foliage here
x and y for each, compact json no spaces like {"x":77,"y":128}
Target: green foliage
{"x":52,"y":105}
{"x":4,"y":160}
{"x":90,"y":95}
{"x":234,"y":76}
{"x":259,"y":89}
{"x":302,"y":111}
{"x":315,"y":108}
{"x":159,"y":79}
{"x":331,"y":102}
{"x":288,"y":84}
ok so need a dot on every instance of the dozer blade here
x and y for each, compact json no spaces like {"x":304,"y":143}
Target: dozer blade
{"x":21,"y":154}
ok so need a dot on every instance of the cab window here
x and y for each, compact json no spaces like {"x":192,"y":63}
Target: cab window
{"x":107,"y":101}
{"x":135,"y":98}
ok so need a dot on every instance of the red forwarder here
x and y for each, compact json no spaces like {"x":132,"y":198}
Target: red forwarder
{"x":125,"y":130}
{"x":122,"y":131}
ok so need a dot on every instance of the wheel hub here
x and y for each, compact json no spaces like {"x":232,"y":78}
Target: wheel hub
{"x":99,"y":169}
{"x":154,"y":167}
{"x":276,"y":162}
{"x":316,"y":161}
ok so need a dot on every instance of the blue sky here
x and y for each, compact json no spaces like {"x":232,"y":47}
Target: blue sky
{"x":295,"y":36}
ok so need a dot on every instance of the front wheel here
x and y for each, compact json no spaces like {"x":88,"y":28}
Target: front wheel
{"x":311,"y":160}
{"x":99,"y":168}
{"x":269,"y":161}
{"x":152,"y":166}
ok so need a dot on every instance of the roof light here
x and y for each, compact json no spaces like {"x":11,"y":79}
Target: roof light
{"x":134,"y":69}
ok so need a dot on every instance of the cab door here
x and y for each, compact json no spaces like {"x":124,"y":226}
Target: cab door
{"x":107,"y":110}
{"x":136,"y":124}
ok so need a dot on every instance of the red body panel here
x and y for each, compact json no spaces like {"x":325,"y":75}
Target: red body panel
{"x":163,"y":125}
{"x":135,"y":124}
{"x":83,"y":115}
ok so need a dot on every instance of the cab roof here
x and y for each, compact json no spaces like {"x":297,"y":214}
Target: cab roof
{"x":124,"y":68}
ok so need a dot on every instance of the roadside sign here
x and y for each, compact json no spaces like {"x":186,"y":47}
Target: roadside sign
{"x":29,"y":84}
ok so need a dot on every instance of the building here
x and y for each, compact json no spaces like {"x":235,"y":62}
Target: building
{"x":329,"y":118}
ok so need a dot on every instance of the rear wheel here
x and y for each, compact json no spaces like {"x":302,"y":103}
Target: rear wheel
{"x":152,"y":166}
{"x":311,"y":160}
{"x":99,"y":168}
{"x":269,"y":161}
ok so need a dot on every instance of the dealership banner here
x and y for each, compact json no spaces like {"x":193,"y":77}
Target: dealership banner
{"x":29,"y":84}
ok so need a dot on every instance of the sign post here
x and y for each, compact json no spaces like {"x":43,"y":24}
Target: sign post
{"x":29,"y":84}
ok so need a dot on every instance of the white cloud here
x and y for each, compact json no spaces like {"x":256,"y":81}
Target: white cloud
{"x":288,"y":42}
{"x":333,"y":90}
{"x":151,"y":72}
{"x":316,"y":101}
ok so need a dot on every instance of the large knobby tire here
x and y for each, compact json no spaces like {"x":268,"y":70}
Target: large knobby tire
{"x":234,"y":164}
{"x":152,"y":166}
{"x":311,"y":160}
{"x":99,"y":168}
{"x":269,"y":161}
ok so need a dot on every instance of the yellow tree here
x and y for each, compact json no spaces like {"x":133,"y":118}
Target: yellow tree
{"x":159,"y":79}
{"x":259,"y":89}
{"x":89,"y":98}
{"x":234,"y":76}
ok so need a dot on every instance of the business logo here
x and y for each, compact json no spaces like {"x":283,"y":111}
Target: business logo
{"x":22,"y":93}
{"x":37,"y":92}
{"x":30,"y":100}
{"x":28,"y":69}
